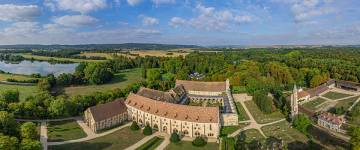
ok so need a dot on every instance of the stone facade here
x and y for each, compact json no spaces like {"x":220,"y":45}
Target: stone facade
{"x":330,"y":121}
{"x":104,"y":124}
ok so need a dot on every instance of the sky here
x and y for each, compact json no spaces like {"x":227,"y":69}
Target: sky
{"x":195,"y":22}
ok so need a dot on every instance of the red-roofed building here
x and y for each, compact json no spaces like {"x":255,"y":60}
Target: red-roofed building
{"x":331,"y":121}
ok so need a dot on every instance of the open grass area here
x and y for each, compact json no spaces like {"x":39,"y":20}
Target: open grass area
{"x":312,"y":105}
{"x":118,"y":140}
{"x":121,"y":80}
{"x":282,"y":130}
{"x":241,"y":112}
{"x":253,"y":134}
{"x":187,"y":145}
{"x":259,"y":116}
{"x":346,"y":103}
{"x":335,"y":95}
{"x":46,"y":58}
{"x":225,"y":130}
{"x":151,"y":144}
{"x":24,"y":91}
{"x":64,"y":130}
{"x":89,"y":54}
{"x":238,"y":89}
{"x":5,"y":76}
{"x":227,"y":143}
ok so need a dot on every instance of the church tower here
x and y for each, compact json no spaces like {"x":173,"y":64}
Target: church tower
{"x":294,"y":103}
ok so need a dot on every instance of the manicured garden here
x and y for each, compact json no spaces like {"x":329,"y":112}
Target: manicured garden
{"x":282,"y":130}
{"x":253,"y":134}
{"x":187,"y":145}
{"x":121,"y":80}
{"x":312,"y":105}
{"x":261,"y":117}
{"x":151,"y":144}
{"x":230,"y":129}
{"x":64,"y":130}
{"x":118,"y":140}
{"x":24,"y":91}
{"x":241,"y":112}
{"x":335,"y":95}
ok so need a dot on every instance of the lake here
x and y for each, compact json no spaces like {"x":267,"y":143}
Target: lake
{"x":44,"y":68}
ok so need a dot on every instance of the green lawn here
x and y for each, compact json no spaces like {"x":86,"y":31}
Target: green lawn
{"x":151,"y":144}
{"x":5,"y":76}
{"x":118,"y":140}
{"x":25,"y":91}
{"x":346,"y":103}
{"x":335,"y":95}
{"x":260,"y":117}
{"x":241,"y":112}
{"x":187,"y":145}
{"x":121,"y":80}
{"x":253,"y":134}
{"x":230,"y":129}
{"x":227,"y":143}
{"x":284,"y":131}
{"x":64,"y":130}
{"x":312,"y":105}
{"x":238,"y":89}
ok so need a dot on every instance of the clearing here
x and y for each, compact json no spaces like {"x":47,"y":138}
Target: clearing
{"x":261,"y":117}
{"x":121,"y":80}
{"x":64,"y":130}
{"x":120,"y":139}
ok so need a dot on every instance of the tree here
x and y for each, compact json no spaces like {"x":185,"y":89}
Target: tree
{"x":8,"y":125}
{"x":29,"y":144}
{"x":44,"y":85}
{"x":199,"y":142}
{"x":10,"y":96}
{"x":8,"y":143}
{"x":153,"y":74}
{"x":61,"y":107}
{"x":355,"y":138}
{"x":174,"y":137}
{"x":263,"y":101}
{"x":302,"y":123}
{"x":28,"y":131}
{"x":241,"y":141}
{"x":147,"y":130}
{"x":134,"y":126}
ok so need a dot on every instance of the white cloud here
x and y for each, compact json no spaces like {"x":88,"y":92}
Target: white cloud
{"x":82,"y":6}
{"x":133,"y":2}
{"x":160,"y":2}
{"x":209,"y":18}
{"x":76,"y":20}
{"x":149,"y":21}
{"x":10,"y":12}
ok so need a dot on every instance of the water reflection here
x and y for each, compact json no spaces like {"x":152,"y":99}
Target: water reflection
{"x":42,"y":67}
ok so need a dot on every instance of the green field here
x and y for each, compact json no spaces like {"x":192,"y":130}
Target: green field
{"x":253,"y":134}
{"x":151,"y":144}
{"x":238,"y":89}
{"x":335,"y":95}
{"x":5,"y":76}
{"x":121,"y":80}
{"x":225,"y":130}
{"x":185,"y":145}
{"x":25,"y":91}
{"x":346,"y":103}
{"x":241,"y":112}
{"x":228,"y":143}
{"x":260,"y":117}
{"x":118,"y":140}
{"x":283,"y":130}
{"x":46,"y":58}
{"x":312,"y":105}
{"x":64,"y":130}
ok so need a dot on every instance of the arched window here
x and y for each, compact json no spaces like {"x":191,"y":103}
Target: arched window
{"x":147,"y":123}
{"x":156,"y":127}
{"x":210,"y":134}
{"x":197,"y":133}
{"x":164,"y":129}
{"x":175,"y":131}
{"x":185,"y":132}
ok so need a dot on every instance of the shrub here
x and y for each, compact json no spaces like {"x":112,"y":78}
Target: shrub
{"x":199,"y":142}
{"x":174,"y":138}
{"x":134,"y":126}
{"x":147,"y":130}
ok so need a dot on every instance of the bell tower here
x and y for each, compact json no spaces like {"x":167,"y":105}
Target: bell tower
{"x":294,"y":103}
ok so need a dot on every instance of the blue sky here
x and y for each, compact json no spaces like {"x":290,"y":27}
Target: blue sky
{"x":200,"y":22}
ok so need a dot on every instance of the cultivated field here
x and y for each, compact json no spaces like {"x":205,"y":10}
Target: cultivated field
{"x":259,"y":116}
{"x":106,"y":55}
{"x":25,"y":91}
{"x":64,"y":130}
{"x":121,"y":80}
{"x":118,"y":140}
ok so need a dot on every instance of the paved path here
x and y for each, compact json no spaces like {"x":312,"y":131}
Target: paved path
{"x":43,"y":135}
{"x":142,"y":141}
{"x":165,"y":143}
{"x":253,"y":124}
{"x":91,"y":136}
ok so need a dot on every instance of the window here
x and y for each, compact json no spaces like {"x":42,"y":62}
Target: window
{"x":197,"y":133}
{"x":210,"y":134}
{"x":210,"y":127}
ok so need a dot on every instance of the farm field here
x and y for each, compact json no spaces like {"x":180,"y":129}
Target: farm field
{"x":106,"y":55}
{"x":120,"y":139}
{"x":312,"y":105}
{"x":185,"y":145}
{"x":24,"y":91}
{"x":158,"y":53}
{"x":64,"y":130}
{"x":121,"y":80}
{"x":45,"y":58}
{"x":335,"y":95}
{"x":259,"y":116}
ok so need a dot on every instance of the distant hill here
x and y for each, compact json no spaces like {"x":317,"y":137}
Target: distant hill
{"x":134,"y":46}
